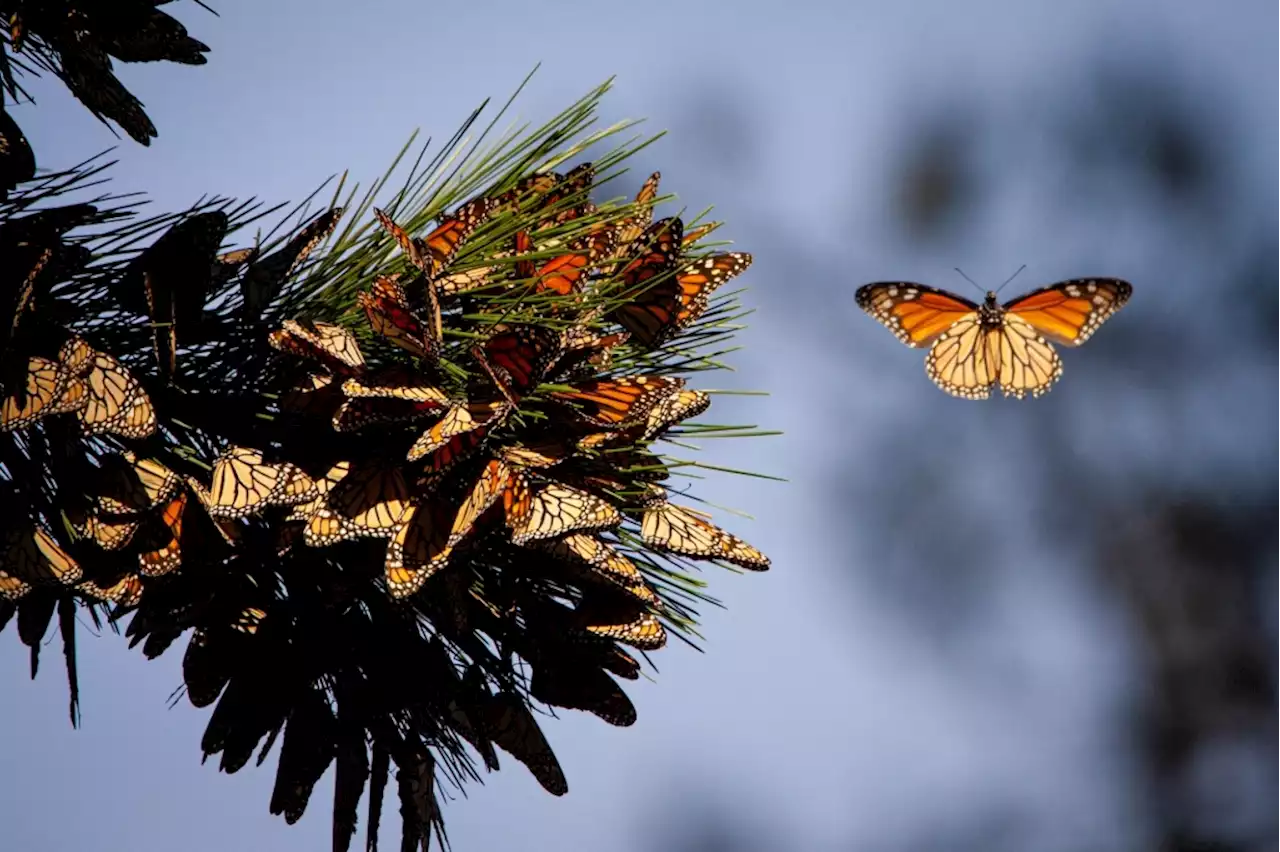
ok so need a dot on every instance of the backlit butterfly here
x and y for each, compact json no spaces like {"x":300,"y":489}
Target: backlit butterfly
{"x":617,"y":403}
{"x":116,"y":401}
{"x":45,"y":392}
{"x":679,"y":530}
{"x":976,"y":347}
{"x":243,"y":484}
{"x":621,"y":618}
{"x":506,"y":721}
{"x":264,"y":278}
{"x":518,"y":357}
{"x":389,"y":314}
{"x":331,"y":345}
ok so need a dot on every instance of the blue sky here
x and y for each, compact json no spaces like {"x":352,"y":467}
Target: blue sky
{"x":821,"y":712}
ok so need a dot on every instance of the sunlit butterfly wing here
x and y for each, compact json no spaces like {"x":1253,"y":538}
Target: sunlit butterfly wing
{"x":419,"y":548}
{"x":678,"y":530}
{"x":621,"y":618}
{"x":460,"y":419}
{"x":568,"y":200}
{"x":1069,"y":312}
{"x":389,"y":315}
{"x":42,"y":393}
{"x":603,"y":561}
{"x":554,"y":509}
{"x":673,"y":304}
{"x":631,"y":228}
{"x":675,"y":408}
{"x":264,"y":278}
{"x":699,"y":232}
{"x":33,"y":556}
{"x":116,"y":402}
{"x":167,"y":555}
{"x":394,"y":382}
{"x":331,"y":345}
{"x":125,"y":591}
{"x":917,"y":315}
{"x":617,"y":403}
{"x":128,"y":484}
{"x":369,"y":502}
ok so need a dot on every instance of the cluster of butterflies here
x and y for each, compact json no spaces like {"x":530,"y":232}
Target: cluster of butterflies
{"x":477,"y":444}
{"x":77,"y":40}
{"x":975,"y":348}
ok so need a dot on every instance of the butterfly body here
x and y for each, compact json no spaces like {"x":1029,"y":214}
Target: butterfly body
{"x":976,"y":347}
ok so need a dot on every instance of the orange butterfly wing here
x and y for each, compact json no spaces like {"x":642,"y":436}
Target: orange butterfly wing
{"x":916,"y":314}
{"x":1069,"y":312}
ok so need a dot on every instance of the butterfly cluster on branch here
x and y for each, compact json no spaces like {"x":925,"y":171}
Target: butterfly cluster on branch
{"x":422,"y":517}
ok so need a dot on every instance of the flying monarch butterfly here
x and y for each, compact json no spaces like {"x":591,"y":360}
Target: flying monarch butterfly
{"x":553,"y":509}
{"x":672,"y":305}
{"x":617,"y":403}
{"x":975,"y":347}
{"x":264,"y":278}
{"x":116,"y":401}
{"x":330,"y":344}
{"x":676,"y":408}
{"x":462,"y":418}
{"x":370,"y":501}
{"x":44,"y":392}
{"x":602,"y":560}
{"x":678,"y":530}
{"x":387,"y":308}
{"x":243,"y":484}
{"x":32,"y":558}
{"x":129,"y":485}
{"x":506,"y":721}
{"x":621,"y":618}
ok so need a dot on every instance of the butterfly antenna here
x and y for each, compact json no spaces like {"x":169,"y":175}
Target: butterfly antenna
{"x":1011,"y":277}
{"x":970,"y":280}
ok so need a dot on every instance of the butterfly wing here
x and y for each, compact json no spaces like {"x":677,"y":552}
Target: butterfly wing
{"x":917,"y":315}
{"x":1027,"y":364}
{"x":1069,"y":312}
{"x":965,"y":358}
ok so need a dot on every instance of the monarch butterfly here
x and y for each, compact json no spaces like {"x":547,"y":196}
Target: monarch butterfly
{"x":226,"y":265}
{"x":676,"y":408}
{"x":506,"y":721}
{"x":108,"y":532}
{"x":316,"y":394}
{"x":370,"y":501}
{"x":116,"y":401}
{"x":44,"y":393}
{"x":600,"y":243}
{"x":461,"y":418}
{"x":387,"y":308}
{"x":672,"y":305}
{"x":305,"y":754}
{"x":126,"y":591}
{"x":175,"y":273}
{"x":552,"y":510}
{"x":561,"y":275}
{"x":75,"y":356}
{"x":579,"y":346}
{"x":540,"y":455}
{"x":33,"y":557}
{"x":434,"y":252}
{"x":331,"y":345}
{"x":603,"y":561}
{"x":678,"y":530}
{"x":630,"y":229}
{"x":699,"y":232}
{"x":264,"y":278}
{"x":242,"y":484}
{"x":617,"y":403}
{"x":167,"y":556}
{"x":128,"y":484}
{"x":582,"y":687}
{"x":520,"y":355}
{"x":572,"y":188}
{"x":394,"y":383}
{"x":621,"y":618}
{"x":976,"y":347}
{"x":420,"y":547}
{"x":364,"y":411}
{"x":323,"y":485}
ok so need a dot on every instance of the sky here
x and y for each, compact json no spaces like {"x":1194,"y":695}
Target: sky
{"x":823,"y":715}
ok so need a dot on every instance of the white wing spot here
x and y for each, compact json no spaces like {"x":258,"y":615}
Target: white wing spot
{"x":1092,"y":286}
{"x":1073,"y":291}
